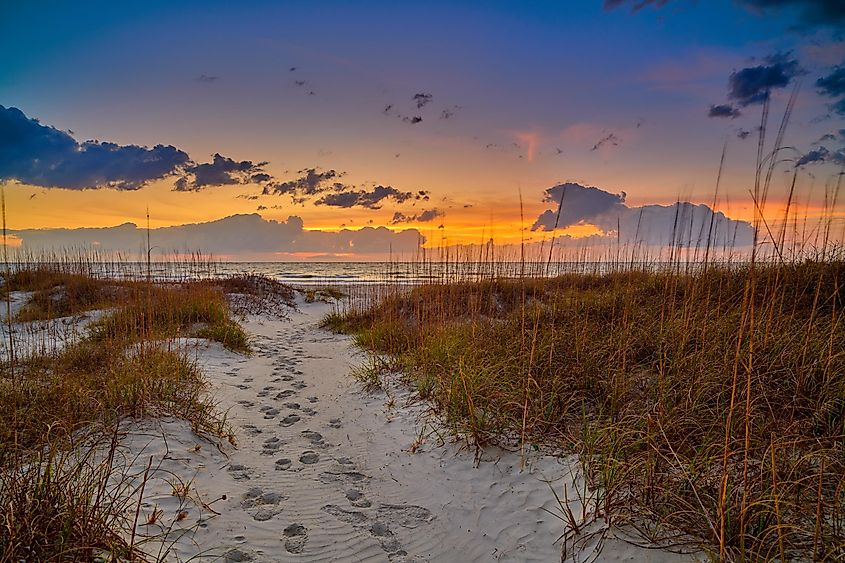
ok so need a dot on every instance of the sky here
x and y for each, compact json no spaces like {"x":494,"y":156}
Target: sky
{"x":447,"y":122}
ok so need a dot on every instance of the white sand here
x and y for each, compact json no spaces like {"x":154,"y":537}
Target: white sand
{"x":323,"y":472}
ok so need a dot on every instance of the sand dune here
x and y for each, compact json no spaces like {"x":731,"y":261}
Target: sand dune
{"x":324,"y":471}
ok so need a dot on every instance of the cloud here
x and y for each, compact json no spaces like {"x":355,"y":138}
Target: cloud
{"x":610,"y":138}
{"x":40,"y":155}
{"x":753,"y":85}
{"x":243,"y":236}
{"x":636,"y":5}
{"x":833,"y":86}
{"x":821,"y":155}
{"x":811,"y":13}
{"x":207,"y":79}
{"x":580,"y":203}
{"x":743,"y":134}
{"x":424,"y":217}
{"x":422,"y":99}
{"x":723,"y":110}
{"x":313,"y":183}
{"x":310,"y":183}
{"x":221,"y":171}
{"x":683,"y":223}
{"x":371,"y":199}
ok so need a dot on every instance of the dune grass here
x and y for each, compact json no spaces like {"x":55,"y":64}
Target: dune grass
{"x":706,"y":406}
{"x":62,"y":498}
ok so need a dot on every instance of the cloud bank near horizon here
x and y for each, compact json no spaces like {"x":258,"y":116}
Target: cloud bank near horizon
{"x":683,"y":224}
{"x":241,"y":236}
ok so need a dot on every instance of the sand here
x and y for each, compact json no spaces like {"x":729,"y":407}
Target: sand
{"x":324,"y":471}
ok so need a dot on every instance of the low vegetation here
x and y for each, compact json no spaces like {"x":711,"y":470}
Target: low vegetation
{"x":61,"y":496}
{"x":708,"y":408}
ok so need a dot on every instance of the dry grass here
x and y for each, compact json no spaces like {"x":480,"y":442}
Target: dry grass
{"x":709,"y":404}
{"x":60,"y":496}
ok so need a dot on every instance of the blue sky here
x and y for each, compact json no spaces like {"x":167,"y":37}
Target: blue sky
{"x":529,"y":88}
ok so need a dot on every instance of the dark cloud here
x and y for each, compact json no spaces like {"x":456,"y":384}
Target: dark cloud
{"x":723,"y":110}
{"x":310,"y":183}
{"x":811,"y":13}
{"x":422,"y":99}
{"x":424,"y":217}
{"x":371,"y":199}
{"x":833,"y":86}
{"x":580,"y":203}
{"x":206,"y":78}
{"x":239,"y":236}
{"x":610,"y":139}
{"x":743,"y":134}
{"x":808,"y":13}
{"x":683,"y":224}
{"x":221,"y":171}
{"x":412,"y":120}
{"x":753,"y":85}
{"x":636,"y":5}
{"x":40,"y":155}
{"x":821,"y":155}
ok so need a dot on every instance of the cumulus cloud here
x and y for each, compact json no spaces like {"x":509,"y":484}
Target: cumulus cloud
{"x":683,"y":223}
{"x":821,"y":155}
{"x":576,"y":204}
{"x":833,"y":86}
{"x":310,"y":183}
{"x":424,"y":217}
{"x":753,"y":85}
{"x":323,"y":185}
{"x":723,"y":110}
{"x":221,"y":171}
{"x":241,"y":236}
{"x":371,"y":199}
{"x":41,"y":155}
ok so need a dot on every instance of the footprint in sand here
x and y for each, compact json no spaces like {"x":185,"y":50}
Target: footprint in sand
{"x":356,"y":499}
{"x":295,"y":537}
{"x":237,"y":556}
{"x":299,"y":385}
{"x":283,"y":464}
{"x":270,"y":413}
{"x":281,"y":395}
{"x":313,"y":399}
{"x":251,"y":429}
{"x":271,"y":446}
{"x":309,"y":457}
{"x":314,"y":437}
{"x":344,"y":477}
{"x":289,"y":420}
{"x":246,"y":404}
{"x":240,"y":472}
{"x":261,"y":504}
{"x":379,"y":530}
{"x":335,"y":423}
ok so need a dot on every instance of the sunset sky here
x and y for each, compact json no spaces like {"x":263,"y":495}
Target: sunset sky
{"x":453,"y":109}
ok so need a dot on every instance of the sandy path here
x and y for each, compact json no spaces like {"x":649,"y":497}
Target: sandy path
{"x":323,"y":471}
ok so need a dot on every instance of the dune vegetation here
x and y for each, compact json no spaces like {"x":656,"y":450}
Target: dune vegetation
{"x":63,"y":496}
